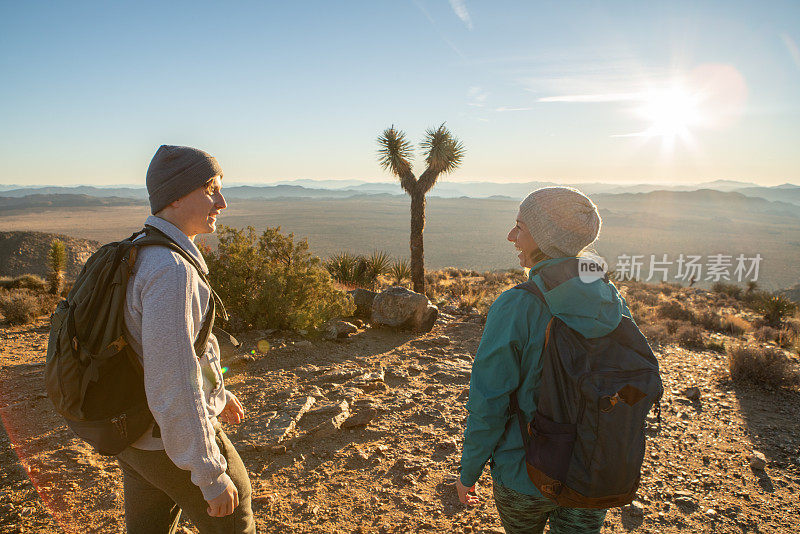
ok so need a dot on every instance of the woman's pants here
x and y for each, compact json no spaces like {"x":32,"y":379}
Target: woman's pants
{"x":526,"y":514}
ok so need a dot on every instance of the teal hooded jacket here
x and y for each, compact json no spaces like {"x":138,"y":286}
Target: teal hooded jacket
{"x":509,"y":359}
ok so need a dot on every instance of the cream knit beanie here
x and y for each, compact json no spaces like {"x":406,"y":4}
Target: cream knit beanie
{"x":562,"y":220}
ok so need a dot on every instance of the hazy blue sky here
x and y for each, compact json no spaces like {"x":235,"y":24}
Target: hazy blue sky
{"x":565,"y":91}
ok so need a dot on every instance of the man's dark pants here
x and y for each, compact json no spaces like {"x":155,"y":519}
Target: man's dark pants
{"x":156,"y":491}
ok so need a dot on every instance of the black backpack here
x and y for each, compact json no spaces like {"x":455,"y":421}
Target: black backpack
{"x":93,"y":376}
{"x":585,"y":445}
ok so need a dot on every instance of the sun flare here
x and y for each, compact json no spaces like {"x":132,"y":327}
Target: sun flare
{"x":671,"y":114}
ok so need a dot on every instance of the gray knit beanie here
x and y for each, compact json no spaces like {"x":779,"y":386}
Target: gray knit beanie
{"x":562,"y":220}
{"x":176,"y":171}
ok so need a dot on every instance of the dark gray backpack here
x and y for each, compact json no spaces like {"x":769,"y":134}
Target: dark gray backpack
{"x":585,"y":445}
{"x":92,"y":375}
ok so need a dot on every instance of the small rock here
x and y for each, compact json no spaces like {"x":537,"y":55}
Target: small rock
{"x":447,"y":445}
{"x":711,"y":513}
{"x":329,"y":427}
{"x":692,"y":393}
{"x":758,"y":461}
{"x":336,"y":328}
{"x":278,"y":449}
{"x":304,"y":343}
{"x":362,"y":417}
{"x":340,"y":375}
{"x":634,"y":509}
{"x":315,"y":392}
{"x":332,"y":409}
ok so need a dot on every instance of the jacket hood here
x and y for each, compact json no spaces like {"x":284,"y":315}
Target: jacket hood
{"x":593,"y":309}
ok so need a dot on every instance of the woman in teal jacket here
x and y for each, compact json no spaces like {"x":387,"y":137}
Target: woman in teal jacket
{"x":553,"y":223}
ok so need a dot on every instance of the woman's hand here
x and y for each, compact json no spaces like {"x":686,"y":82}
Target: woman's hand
{"x":468,"y":496}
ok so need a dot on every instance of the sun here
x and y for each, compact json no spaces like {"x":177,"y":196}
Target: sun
{"x":671,"y":114}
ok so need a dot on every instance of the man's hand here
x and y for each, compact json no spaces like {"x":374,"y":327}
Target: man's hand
{"x":233,"y":412}
{"x":225,"y":503}
{"x":468,"y":496}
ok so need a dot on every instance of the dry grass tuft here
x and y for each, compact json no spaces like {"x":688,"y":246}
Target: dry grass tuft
{"x":672,"y":309}
{"x":22,"y":306}
{"x":735,"y":325}
{"x":690,"y":337}
{"x":762,"y":366}
{"x":765,"y":334}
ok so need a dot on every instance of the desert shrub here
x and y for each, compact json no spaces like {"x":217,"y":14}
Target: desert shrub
{"x":25,"y":281}
{"x":642,"y":296}
{"x":761,"y":365}
{"x":787,"y":338}
{"x":19,"y":308}
{"x":656,"y":333}
{"x":690,"y":337}
{"x":22,"y":306}
{"x":341,"y":267}
{"x":732,"y":290}
{"x":453,"y":272}
{"x":753,"y":299}
{"x":775,"y":308}
{"x":665,"y":289}
{"x":376,"y":264}
{"x":271,"y":281}
{"x":400,"y":271}
{"x":765,"y":333}
{"x":358,"y":270}
{"x":433,"y":277}
{"x":673,"y":325}
{"x":466,"y":295}
{"x":793,"y":325}
{"x":735,"y":325}
{"x":639,"y":313}
{"x":494,"y":277}
{"x":710,"y":320}
{"x":716,"y":346}
{"x":672,"y":309}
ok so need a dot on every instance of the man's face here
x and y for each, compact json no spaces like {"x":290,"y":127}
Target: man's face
{"x":197,"y":212}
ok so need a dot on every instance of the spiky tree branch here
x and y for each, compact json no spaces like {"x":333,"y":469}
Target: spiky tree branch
{"x":395,"y":155}
{"x":444,"y":155}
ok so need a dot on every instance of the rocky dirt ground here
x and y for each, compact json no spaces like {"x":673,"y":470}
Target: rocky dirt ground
{"x":363,"y":435}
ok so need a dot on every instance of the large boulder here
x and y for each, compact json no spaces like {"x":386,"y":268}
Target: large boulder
{"x":363,"y":298}
{"x":402,"y":308}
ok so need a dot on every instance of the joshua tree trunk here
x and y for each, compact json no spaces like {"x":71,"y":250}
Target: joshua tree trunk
{"x":417,"y":251}
{"x":443,"y":154}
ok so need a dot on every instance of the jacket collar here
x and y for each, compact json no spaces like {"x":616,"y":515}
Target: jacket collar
{"x":544,"y":263}
{"x":183,"y":241}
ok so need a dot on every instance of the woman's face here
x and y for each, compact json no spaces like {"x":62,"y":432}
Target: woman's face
{"x":523,"y":241}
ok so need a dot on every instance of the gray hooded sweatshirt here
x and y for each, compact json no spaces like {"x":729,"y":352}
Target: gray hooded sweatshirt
{"x":166,"y":303}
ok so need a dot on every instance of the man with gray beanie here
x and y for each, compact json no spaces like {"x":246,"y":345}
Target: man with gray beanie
{"x":184,"y":461}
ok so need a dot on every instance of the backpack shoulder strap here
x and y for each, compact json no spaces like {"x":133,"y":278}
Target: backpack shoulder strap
{"x":531,"y":287}
{"x":155,"y":237}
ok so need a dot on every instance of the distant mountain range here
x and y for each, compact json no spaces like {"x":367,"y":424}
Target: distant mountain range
{"x":319,"y":189}
{"x":64,"y":200}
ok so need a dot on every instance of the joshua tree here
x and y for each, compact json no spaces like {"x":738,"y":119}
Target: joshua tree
{"x":58,"y":264}
{"x":443,"y":154}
